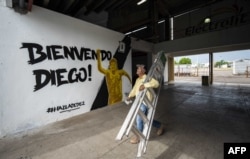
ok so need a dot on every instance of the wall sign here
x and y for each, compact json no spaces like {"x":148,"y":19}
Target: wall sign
{"x":57,"y":77}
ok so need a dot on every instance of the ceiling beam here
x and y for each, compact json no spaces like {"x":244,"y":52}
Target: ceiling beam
{"x":154,"y":22}
{"x":76,"y":6}
{"x":191,"y":5}
{"x":53,"y":4}
{"x":93,"y":6}
{"x":105,"y":5}
{"x":128,"y":2}
{"x":133,"y":26}
{"x":38,"y":2}
{"x":163,"y":8}
{"x":115,"y":5}
{"x":64,"y":5}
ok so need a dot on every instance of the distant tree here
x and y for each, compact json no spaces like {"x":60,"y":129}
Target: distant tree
{"x":185,"y":60}
{"x":220,"y":63}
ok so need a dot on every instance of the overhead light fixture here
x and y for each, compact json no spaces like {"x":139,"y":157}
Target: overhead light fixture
{"x":142,"y":28}
{"x":162,"y":21}
{"x":142,"y":1}
{"x":207,"y":20}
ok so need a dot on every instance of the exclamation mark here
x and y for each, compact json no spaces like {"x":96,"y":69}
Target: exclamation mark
{"x":90,"y":73}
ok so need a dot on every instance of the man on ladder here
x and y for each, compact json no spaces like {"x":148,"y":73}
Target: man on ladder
{"x":140,"y":86}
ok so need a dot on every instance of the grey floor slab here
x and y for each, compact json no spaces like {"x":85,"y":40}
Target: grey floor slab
{"x":198,"y":121}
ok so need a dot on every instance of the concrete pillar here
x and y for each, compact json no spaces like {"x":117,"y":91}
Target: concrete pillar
{"x":211,"y":68}
{"x":170,"y":69}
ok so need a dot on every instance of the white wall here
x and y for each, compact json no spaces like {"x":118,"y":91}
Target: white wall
{"x":240,"y":66}
{"x":22,"y":108}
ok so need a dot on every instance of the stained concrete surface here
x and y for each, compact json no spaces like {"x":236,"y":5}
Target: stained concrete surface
{"x":198,"y":121}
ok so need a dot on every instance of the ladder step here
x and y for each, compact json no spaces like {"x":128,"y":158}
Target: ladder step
{"x":138,"y":133}
{"x":148,"y":103}
{"x":143,"y":116}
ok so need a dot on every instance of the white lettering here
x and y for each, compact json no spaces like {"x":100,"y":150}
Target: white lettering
{"x":237,"y":149}
{"x":231,"y":150}
{"x":243,"y":149}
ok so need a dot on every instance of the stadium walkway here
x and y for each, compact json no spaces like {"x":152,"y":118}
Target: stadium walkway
{"x":198,"y":121}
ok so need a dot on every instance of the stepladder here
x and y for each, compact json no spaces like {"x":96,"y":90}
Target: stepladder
{"x":129,"y":125}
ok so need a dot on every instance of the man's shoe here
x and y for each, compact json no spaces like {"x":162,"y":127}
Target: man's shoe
{"x":134,"y":140}
{"x":160,"y":131}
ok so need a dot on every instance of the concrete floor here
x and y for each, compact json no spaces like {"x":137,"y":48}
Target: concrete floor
{"x":198,"y":121}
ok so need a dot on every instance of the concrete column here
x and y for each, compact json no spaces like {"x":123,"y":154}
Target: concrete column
{"x":6,"y":3}
{"x":211,"y":68}
{"x":170,"y":69}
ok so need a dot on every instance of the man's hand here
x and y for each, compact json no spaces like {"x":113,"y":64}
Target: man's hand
{"x":142,"y":87}
{"x":128,"y":101}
